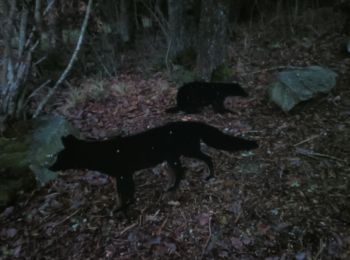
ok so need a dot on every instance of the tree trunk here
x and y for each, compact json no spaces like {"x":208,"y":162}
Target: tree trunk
{"x":9,"y":82}
{"x":176,"y":27}
{"x":126,"y":27}
{"x":54,"y":26}
{"x":119,"y":16}
{"x":17,"y":57}
{"x":212,"y":38}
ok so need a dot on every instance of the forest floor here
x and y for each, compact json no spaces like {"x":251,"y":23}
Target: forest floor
{"x":289,"y":199}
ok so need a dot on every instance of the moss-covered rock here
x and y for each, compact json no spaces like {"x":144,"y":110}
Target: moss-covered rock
{"x":222,"y":72}
{"x":24,"y":158}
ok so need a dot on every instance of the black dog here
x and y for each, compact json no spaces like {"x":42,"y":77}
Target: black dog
{"x":122,"y":156}
{"x":193,"y":96}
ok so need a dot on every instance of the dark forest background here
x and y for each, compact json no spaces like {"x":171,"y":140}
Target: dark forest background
{"x":113,"y":67}
{"x":187,"y":39}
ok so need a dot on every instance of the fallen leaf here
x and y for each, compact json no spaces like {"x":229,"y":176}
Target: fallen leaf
{"x":236,"y":207}
{"x":171,"y":247}
{"x":173,"y":203}
{"x":11,"y":232}
{"x":204,"y":219}
{"x":236,"y":243}
{"x":154,"y":241}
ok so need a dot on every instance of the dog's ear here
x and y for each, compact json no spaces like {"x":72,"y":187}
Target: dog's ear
{"x":69,"y":139}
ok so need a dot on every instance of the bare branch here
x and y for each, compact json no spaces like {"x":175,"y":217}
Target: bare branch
{"x":37,"y":17}
{"x":49,"y":6}
{"x":70,"y":64}
{"x":23,"y":100}
{"x":163,"y":26}
{"x":22,"y":32}
{"x":7,"y":75}
{"x":37,"y":14}
{"x":17,"y":59}
{"x":47,"y":82}
{"x":160,"y":15}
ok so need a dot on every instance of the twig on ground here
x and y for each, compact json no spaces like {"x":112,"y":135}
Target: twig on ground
{"x":183,"y":215}
{"x":238,"y":216}
{"x":269,"y":69}
{"x":208,"y":239}
{"x":159,"y":230}
{"x":328,"y":156}
{"x":322,"y":246}
{"x":66,"y":218}
{"x":128,"y":228}
{"x":314,"y":155}
{"x":29,"y":197}
{"x":307,"y":140}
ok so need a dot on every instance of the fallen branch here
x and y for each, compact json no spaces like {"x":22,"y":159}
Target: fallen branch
{"x":314,"y":155}
{"x":306,"y":140}
{"x":238,"y":217}
{"x":159,"y":230}
{"x":128,"y":228}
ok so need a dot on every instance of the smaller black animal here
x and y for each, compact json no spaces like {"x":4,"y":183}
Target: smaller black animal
{"x":193,"y":96}
{"x":120,"y":157}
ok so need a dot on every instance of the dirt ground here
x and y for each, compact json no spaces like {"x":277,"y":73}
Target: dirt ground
{"x":289,"y":199}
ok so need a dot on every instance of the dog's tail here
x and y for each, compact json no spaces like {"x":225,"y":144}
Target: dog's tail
{"x":173,"y":110}
{"x":215,"y":138}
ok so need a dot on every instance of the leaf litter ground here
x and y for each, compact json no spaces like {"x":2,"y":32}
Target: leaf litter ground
{"x":287,"y":200}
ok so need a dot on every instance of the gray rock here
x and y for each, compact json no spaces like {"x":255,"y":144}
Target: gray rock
{"x":295,"y":85}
